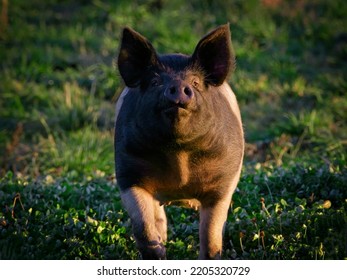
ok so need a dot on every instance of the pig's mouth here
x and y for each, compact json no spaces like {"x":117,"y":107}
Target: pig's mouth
{"x":175,"y":112}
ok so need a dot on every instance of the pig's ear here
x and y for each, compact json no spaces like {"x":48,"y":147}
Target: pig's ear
{"x":136,"y":54}
{"x":215,"y":56}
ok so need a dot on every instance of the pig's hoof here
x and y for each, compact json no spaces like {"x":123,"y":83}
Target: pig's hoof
{"x":154,"y":250}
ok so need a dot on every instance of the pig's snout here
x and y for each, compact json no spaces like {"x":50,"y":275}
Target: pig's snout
{"x":179,"y":93}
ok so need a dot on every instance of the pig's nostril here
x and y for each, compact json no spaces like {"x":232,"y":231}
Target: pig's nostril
{"x":179,"y":94}
{"x":187,"y":91}
{"x":172,"y":90}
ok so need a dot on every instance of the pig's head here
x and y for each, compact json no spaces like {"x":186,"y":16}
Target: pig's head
{"x":174,"y":95}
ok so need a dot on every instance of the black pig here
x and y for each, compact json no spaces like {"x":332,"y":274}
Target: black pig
{"x":178,"y":138}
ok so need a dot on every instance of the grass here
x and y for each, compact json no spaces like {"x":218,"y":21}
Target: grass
{"x":58,"y":87}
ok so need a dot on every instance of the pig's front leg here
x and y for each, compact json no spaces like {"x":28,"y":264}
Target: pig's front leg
{"x":160,"y":220}
{"x":146,"y":216}
{"x":212,"y":219}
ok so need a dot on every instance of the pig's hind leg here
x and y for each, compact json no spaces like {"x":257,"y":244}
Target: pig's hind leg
{"x":147,"y":221}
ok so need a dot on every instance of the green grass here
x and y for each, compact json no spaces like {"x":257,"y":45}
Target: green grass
{"x":58,"y":86}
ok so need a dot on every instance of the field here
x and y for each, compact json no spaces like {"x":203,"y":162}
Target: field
{"x":58,"y":87}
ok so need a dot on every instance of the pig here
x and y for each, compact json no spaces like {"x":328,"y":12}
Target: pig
{"x":178,"y":138}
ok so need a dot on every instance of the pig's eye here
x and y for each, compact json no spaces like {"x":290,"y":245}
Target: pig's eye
{"x":195,"y":83}
{"x":155,"y":82}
